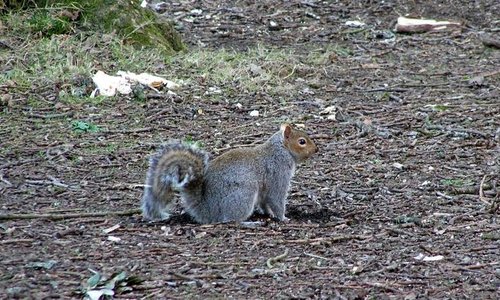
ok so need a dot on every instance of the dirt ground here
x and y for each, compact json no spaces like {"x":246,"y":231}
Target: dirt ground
{"x":401,"y":202}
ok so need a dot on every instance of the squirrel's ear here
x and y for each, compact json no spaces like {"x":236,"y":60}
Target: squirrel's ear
{"x":286,"y":129}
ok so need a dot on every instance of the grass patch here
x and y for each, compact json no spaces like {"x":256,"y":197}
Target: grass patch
{"x":258,"y":69}
{"x":60,"y":58}
{"x":456,"y":182}
{"x":65,"y":61}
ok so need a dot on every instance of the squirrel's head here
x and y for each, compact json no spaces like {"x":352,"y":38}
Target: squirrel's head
{"x":297,"y":142}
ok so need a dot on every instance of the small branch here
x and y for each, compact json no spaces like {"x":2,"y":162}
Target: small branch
{"x":454,"y":129}
{"x":53,"y":181}
{"x":55,"y":217}
{"x":195,"y":278}
{"x":5,"y":180}
{"x":158,"y":114}
{"x":339,"y":238}
{"x":381,"y":286}
{"x":481,"y":194}
{"x":19,"y":162}
{"x":51,"y":116}
{"x":137,"y":130}
{"x":475,"y":267}
{"x":16,"y":241}
{"x":272,"y":260}
{"x":315,"y":256}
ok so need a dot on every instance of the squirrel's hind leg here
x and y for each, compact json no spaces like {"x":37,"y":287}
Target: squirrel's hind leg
{"x":234,"y":205}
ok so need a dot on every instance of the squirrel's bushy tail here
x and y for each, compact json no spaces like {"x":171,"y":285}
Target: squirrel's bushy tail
{"x":175,"y":167}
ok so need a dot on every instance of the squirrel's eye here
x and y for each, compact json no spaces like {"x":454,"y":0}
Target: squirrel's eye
{"x":302,"y":141}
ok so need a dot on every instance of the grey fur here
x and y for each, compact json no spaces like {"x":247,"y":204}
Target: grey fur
{"x":229,"y":188}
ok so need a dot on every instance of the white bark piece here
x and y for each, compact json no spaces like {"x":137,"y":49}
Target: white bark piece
{"x":409,"y":25}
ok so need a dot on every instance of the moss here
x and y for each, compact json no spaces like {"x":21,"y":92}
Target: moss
{"x":45,"y":22}
{"x":133,"y":24}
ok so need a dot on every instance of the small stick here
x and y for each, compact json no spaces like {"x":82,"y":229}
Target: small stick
{"x":19,"y":162}
{"x":315,"y":256}
{"x":453,"y":129}
{"x":330,"y":239}
{"x":481,"y":194}
{"x":198,"y":282}
{"x":55,"y":217}
{"x":16,"y":241}
{"x":136,"y":130}
{"x":5,"y":180}
{"x":272,"y":260}
{"x":52,"y":116}
{"x":475,"y":267}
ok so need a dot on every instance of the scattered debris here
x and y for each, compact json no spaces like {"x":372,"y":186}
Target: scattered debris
{"x":114,"y":238}
{"x":424,"y":257}
{"x":490,"y":41}
{"x":274,"y":26}
{"x":398,"y":166}
{"x":47,"y":265}
{"x":355,"y":24}
{"x":312,"y":15}
{"x":111,"y":229}
{"x":409,"y":25}
{"x":108,"y":85}
{"x":254,"y":113}
{"x":476,"y":81}
{"x":331,"y":112}
{"x":213,"y":90}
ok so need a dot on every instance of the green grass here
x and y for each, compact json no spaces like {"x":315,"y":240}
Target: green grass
{"x":457,"y":182}
{"x":57,"y":59}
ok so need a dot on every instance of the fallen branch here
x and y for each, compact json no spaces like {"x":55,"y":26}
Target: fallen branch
{"x":456,"y":129}
{"x":475,"y":267}
{"x":53,"y":181}
{"x":334,"y":239}
{"x":16,"y":241}
{"x":55,"y":217}
{"x":52,"y":116}
{"x":127,"y":131}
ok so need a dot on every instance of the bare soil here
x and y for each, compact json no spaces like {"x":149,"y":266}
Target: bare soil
{"x":401,"y":202}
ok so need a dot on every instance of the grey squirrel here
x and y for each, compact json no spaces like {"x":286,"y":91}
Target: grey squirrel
{"x":229,"y":187}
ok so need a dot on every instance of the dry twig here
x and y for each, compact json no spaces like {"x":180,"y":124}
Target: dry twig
{"x":456,"y":129}
{"x":55,"y":217}
{"x":481,"y":194}
{"x":330,"y":239}
{"x":272,"y":260}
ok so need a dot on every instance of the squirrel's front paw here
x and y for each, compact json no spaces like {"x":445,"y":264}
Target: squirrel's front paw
{"x":282,"y":219}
